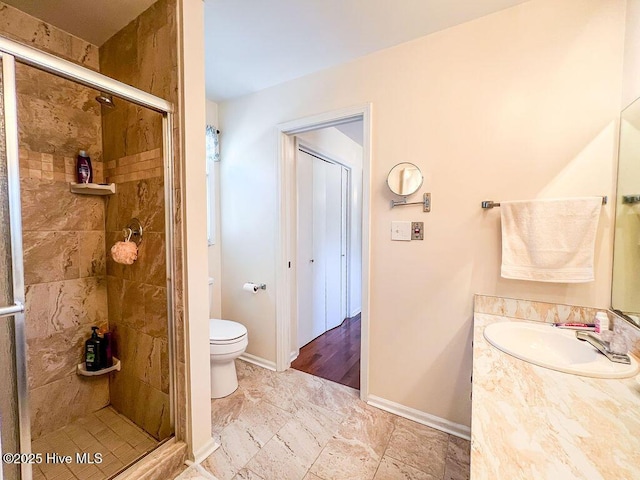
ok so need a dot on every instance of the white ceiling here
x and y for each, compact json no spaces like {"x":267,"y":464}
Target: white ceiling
{"x":95,"y":21}
{"x":254,"y":44}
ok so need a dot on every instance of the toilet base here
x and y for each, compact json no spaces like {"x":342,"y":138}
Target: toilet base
{"x":224,"y":380}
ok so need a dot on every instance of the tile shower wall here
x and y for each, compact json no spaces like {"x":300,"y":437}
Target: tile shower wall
{"x":63,"y":237}
{"x":133,"y":160}
{"x":138,"y":308}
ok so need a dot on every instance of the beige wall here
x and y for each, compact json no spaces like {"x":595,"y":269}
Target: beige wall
{"x":515,"y":105}
{"x":631,"y":78}
{"x":191,"y":142}
{"x":215,"y":264}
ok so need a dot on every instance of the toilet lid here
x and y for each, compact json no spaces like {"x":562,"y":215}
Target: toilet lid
{"x":225,"y":330}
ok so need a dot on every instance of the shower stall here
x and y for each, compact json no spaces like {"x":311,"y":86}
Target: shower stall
{"x":57,"y":277}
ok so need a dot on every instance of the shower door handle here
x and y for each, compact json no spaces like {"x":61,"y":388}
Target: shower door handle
{"x":11,"y":310}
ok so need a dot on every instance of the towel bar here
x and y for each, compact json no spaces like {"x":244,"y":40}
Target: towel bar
{"x":492,"y":204}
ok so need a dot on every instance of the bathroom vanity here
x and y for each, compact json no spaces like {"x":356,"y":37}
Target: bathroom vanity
{"x":530,"y":422}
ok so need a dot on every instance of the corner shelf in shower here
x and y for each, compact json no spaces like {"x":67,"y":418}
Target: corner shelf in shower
{"x":81,"y":369}
{"x":93,"y":188}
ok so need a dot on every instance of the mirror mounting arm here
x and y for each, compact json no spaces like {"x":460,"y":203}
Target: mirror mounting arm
{"x":426,"y":202}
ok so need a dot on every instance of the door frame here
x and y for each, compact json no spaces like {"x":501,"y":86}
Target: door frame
{"x":10,"y":107}
{"x":286,"y":290}
{"x":346,"y":210}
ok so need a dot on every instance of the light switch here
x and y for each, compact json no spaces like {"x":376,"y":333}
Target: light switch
{"x":401,"y":231}
{"x":417,"y":230}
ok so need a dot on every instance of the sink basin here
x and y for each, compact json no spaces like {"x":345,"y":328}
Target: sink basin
{"x":555,"y":348}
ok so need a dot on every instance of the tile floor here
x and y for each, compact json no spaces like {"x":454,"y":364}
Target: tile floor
{"x":118,"y":439}
{"x":294,"y":426}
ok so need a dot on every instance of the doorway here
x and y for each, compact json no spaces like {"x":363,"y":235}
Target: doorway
{"x":322,"y":295}
{"x":328,"y":338}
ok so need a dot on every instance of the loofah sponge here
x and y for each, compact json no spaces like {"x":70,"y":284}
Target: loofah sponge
{"x":124,"y":252}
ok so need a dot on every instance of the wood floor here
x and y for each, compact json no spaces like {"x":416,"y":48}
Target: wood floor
{"x":334,"y":355}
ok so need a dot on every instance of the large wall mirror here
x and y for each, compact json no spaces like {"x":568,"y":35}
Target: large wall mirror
{"x":625,"y":292}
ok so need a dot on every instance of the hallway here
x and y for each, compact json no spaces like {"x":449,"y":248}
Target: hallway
{"x":334,"y":355}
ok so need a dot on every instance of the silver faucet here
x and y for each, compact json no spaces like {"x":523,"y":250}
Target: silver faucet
{"x":603,"y":347}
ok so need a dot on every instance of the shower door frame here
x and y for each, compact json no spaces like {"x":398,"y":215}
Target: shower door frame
{"x":10,"y":53}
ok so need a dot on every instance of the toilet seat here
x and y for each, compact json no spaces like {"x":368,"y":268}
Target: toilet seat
{"x":225,"y":332}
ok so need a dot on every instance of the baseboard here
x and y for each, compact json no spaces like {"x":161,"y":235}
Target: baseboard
{"x":419,"y":416}
{"x":294,"y":355}
{"x":355,"y":312}
{"x":261,"y":362}
{"x":206,"y":450}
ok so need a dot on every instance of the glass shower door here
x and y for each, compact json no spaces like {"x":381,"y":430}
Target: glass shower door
{"x":14,"y":426}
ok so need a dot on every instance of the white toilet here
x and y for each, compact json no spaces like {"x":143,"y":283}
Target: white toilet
{"x":227,"y":341}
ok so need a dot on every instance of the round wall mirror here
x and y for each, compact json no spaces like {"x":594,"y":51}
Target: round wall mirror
{"x":405,"y":179}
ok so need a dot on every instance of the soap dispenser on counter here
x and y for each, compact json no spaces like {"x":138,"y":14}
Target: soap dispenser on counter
{"x":93,"y":352}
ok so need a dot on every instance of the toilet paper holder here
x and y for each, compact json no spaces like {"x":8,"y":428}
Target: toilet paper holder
{"x":254,"y":287}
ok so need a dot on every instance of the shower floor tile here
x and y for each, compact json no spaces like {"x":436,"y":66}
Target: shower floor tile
{"x":119,"y":441}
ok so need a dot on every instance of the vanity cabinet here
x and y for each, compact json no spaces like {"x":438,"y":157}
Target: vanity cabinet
{"x":529,"y":422}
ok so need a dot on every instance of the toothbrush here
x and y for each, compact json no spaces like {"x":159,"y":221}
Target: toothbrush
{"x":576,"y":326}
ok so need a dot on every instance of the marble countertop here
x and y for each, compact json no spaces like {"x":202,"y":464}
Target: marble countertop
{"x":533,"y":423}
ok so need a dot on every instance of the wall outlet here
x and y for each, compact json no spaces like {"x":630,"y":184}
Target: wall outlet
{"x":417,"y":230}
{"x":401,"y":231}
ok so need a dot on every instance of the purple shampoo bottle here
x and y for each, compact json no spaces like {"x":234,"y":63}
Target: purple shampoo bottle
{"x":83,"y":168}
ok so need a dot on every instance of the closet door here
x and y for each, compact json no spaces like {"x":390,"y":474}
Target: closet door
{"x":333,"y":244}
{"x":344,"y":308}
{"x":304,"y":261}
{"x":321,"y":262}
{"x":319,"y":247}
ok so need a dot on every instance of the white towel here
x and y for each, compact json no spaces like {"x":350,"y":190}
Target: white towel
{"x":550,"y":240}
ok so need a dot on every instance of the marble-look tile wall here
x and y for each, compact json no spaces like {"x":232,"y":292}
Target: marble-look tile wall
{"x":133,"y":156}
{"x":138,"y":308}
{"x":631,"y":333}
{"x":66,"y":294}
{"x":63,"y":234}
{"x":135,"y":167}
{"x":53,"y":167}
{"x":19,"y":26}
{"x":531,"y":310}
